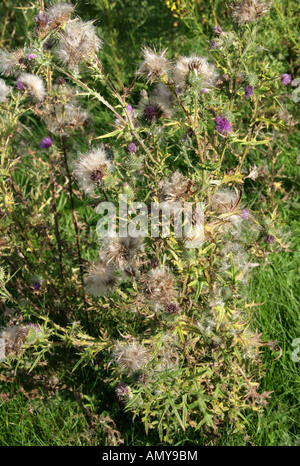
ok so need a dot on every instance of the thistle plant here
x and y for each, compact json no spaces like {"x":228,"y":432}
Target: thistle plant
{"x":165,"y":315}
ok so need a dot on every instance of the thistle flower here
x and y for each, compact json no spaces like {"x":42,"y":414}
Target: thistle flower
{"x":132,"y":148}
{"x":123,"y":253}
{"x":223,"y":201}
{"x":248,"y":91}
{"x":53,"y":18}
{"x":46,"y":143}
{"x":245,"y":214}
{"x":101,"y":279}
{"x":61,"y":117}
{"x":163,"y":99}
{"x":11,"y":63}
{"x":159,"y":287}
{"x":285,"y":79}
{"x":177,"y":189}
{"x":91,"y":168}
{"x":222,"y":125}
{"x":4,"y":90}
{"x":129,"y":357}
{"x":33,"y":84}
{"x":122,"y":390}
{"x":13,"y":338}
{"x":31,"y":56}
{"x":37,"y":286}
{"x":196,"y":66}
{"x":154,"y":66}
{"x":217,"y":30}
{"x":213,"y":44}
{"x":77,"y":42}
{"x":247,"y":11}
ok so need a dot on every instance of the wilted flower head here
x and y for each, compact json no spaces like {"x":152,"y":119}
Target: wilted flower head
{"x":4,"y":90}
{"x":196,"y":67}
{"x":11,"y":63}
{"x":129,"y":357}
{"x":77,"y":42}
{"x":178,"y":188}
{"x":163,"y":99}
{"x":159,"y":287}
{"x":224,"y":200}
{"x":155,"y":65}
{"x":101,"y":279}
{"x":90,"y":169}
{"x":124,"y":253}
{"x":54,"y":17}
{"x":33,"y":84}
{"x":13,"y":338}
{"x":122,"y":390}
{"x":247,"y":11}
{"x":222,"y":125}
{"x":285,"y":79}
{"x":217,"y":29}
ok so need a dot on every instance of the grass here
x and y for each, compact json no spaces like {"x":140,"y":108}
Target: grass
{"x":58,"y":419}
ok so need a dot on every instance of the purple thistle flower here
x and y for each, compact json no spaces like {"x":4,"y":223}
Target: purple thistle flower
{"x":20,"y":85}
{"x":245,"y":214}
{"x":37,"y":286}
{"x":269,"y":239}
{"x":42,"y":18}
{"x":131,"y":148}
{"x":217,"y":30}
{"x":149,"y":113}
{"x":214,"y":45}
{"x":122,"y":390}
{"x":35,"y":327}
{"x":172,"y":308}
{"x":222,"y":124}
{"x":285,"y":79}
{"x":32,"y":56}
{"x":248,"y":91}
{"x":46,"y":143}
{"x":129,"y":108}
{"x":204,"y":90}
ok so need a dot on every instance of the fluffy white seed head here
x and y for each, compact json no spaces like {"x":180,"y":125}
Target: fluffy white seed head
{"x":34,"y":85}
{"x":129,"y":357}
{"x":124,"y":253}
{"x":90,"y":169}
{"x":155,"y":64}
{"x":4,"y":90}
{"x":248,"y":11}
{"x":77,"y":42}
{"x":12,"y":63}
{"x":184,"y":66}
{"x":101,"y":279}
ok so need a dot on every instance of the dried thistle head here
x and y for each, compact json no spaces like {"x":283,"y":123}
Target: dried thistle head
{"x":224,"y":200}
{"x":124,"y":253}
{"x":54,"y":17}
{"x":33,"y":84}
{"x":12,"y":63}
{"x":91,"y":168}
{"x":159,"y":287}
{"x":178,"y":188}
{"x":163,"y":98}
{"x":4,"y":90}
{"x":13,"y":337}
{"x":101,"y":279}
{"x":248,"y":11}
{"x":193,"y":67}
{"x":129,"y":357}
{"x":77,"y":42}
{"x":154,"y":66}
